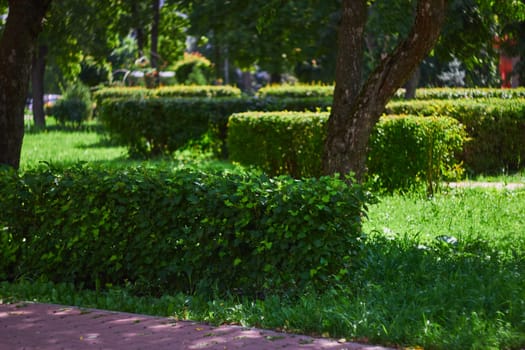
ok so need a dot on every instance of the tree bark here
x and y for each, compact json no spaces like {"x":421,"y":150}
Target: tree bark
{"x":23,"y":25}
{"x":139,"y":31}
{"x":356,"y":109}
{"x":412,"y":84}
{"x":155,"y":40}
{"x":37,"y":86}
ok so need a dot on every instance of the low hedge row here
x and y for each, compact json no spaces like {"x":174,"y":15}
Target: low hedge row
{"x":168,"y":91}
{"x":496,"y":128}
{"x":326,"y":91}
{"x":296,"y":91}
{"x":404,"y":150}
{"x":156,"y":126}
{"x":150,"y":126}
{"x":467,"y":93}
{"x":278,"y":142}
{"x":162,"y":231}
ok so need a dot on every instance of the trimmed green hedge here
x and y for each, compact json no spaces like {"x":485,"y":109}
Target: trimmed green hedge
{"x":162,"y":231}
{"x":168,"y":91}
{"x":404,"y":150}
{"x":296,"y":91}
{"x":467,"y":93}
{"x":278,"y":142}
{"x":150,"y":126}
{"x":297,"y":104}
{"x":156,"y":126}
{"x":303,"y":91}
{"x":496,"y":128}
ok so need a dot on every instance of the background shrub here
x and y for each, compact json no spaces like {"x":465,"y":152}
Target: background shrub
{"x":94,"y":73}
{"x":296,"y":91}
{"x":278,"y":142}
{"x":406,"y":151}
{"x":496,"y":129}
{"x":167,"y":91}
{"x":74,"y":107}
{"x":193,"y":69}
{"x":155,"y":126}
{"x":302,"y":91}
{"x":162,"y":231}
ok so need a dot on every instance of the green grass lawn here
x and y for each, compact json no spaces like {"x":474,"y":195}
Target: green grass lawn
{"x":66,"y":147}
{"x":440,"y":273}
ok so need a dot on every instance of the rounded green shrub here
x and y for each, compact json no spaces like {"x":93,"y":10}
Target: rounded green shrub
{"x":74,"y":107}
{"x":406,"y":151}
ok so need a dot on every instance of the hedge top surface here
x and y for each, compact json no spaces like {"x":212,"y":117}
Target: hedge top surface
{"x":169,"y":91}
{"x":303,"y":90}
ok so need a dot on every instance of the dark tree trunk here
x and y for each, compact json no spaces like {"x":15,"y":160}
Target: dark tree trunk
{"x":412,"y":84}
{"x":155,"y":40}
{"x":276,"y":78}
{"x":37,"y":86}
{"x":355,"y":109}
{"x":139,"y":31}
{"x":23,"y":25}
{"x":139,"y":34}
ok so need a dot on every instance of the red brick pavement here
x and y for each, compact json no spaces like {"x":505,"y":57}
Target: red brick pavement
{"x":30,"y":326}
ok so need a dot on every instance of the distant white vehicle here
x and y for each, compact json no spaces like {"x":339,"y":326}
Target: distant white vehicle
{"x":167,"y":74}
{"x":51,"y":98}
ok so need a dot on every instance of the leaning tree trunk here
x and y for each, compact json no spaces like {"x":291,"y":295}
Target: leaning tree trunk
{"x":355,"y":110}
{"x":37,"y":86}
{"x":23,"y":25}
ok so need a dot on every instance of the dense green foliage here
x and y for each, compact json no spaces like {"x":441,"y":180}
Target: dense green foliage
{"x":75,"y":106}
{"x":464,"y":93}
{"x":158,"y":126}
{"x":151,"y":126}
{"x":496,"y":128}
{"x":415,"y":286}
{"x":296,"y":91}
{"x":163,"y":231}
{"x":278,"y":142}
{"x":445,"y":273}
{"x":193,"y":69}
{"x":167,"y":91}
{"x":159,"y":121}
{"x":406,"y":151}
{"x":303,"y":90}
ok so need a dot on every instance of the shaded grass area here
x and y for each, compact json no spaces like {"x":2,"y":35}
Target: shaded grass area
{"x":440,"y":273}
{"x":60,"y":147}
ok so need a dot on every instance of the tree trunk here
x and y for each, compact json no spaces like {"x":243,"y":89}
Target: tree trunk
{"x":276,"y":78}
{"x":411,"y":84}
{"x":139,"y":31}
{"x":155,"y":40}
{"x":355,"y":109}
{"x":23,"y":25}
{"x":37,"y":86}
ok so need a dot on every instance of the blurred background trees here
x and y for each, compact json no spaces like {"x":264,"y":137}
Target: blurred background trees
{"x":258,"y":42}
